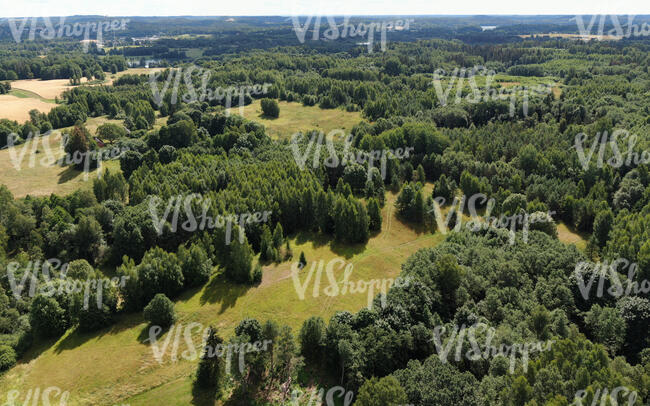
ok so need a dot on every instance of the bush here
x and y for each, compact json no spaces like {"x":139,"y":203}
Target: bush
{"x":110,"y":132}
{"x":92,"y":316}
{"x":7,"y":357}
{"x":312,"y":338}
{"x":381,"y":392}
{"x":160,"y":272}
{"x":257,"y":274}
{"x":5,"y":87}
{"x":167,"y":154}
{"x":80,"y":269}
{"x":160,"y":311}
{"x":47,"y":317}
{"x":195,"y":264}
{"x":270,"y":108}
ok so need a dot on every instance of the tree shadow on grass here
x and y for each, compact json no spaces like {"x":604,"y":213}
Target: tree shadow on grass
{"x":265,"y":117}
{"x":143,"y":337}
{"x":36,"y":349}
{"x":420,"y":228}
{"x":347,"y":250}
{"x":220,"y":290}
{"x":75,"y":338}
{"x":203,"y":397}
{"x":68,"y":174}
{"x":317,"y":239}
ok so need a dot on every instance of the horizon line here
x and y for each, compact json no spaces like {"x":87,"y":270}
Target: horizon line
{"x":336,"y":15}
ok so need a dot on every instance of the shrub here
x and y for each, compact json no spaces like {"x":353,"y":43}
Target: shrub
{"x":195,"y":264}
{"x":257,"y":274}
{"x":80,"y":269}
{"x":270,"y":108}
{"x":98,"y":311}
{"x":312,"y":338}
{"x":160,"y":311}
{"x":47,"y":317}
{"x":110,"y":132}
{"x":7,"y":357}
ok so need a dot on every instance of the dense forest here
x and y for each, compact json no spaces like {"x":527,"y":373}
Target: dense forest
{"x":526,"y":151}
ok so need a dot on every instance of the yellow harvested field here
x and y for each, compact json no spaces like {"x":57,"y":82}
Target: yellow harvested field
{"x":47,"y":89}
{"x":17,"y":108}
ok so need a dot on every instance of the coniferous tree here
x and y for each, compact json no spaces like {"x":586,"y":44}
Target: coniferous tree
{"x":302,"y":261}
{"x":211,"y":369}
{"x":239,"y":260}
{"x":288,"y":253}
{"x":266,"y":244}
{"x":374,"y":215}
{"x":278,"y":236}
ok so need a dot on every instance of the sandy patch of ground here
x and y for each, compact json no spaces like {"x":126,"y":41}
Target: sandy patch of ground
{"x":47,"y":89}
{"x":17,"y":108}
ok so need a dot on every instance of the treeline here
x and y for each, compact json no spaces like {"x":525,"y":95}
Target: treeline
{"x":67,"y":66}
{"x":112,"y":223}
{"x":531,"y":296}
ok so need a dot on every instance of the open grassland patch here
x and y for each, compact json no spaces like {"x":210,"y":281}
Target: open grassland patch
{"x":26,"y":94}
{"x":43,"y":178}
{"x":115,"y":365}
{"x":295,"y":117}
{"x":112,"y":77}
{"x":569,"y":236}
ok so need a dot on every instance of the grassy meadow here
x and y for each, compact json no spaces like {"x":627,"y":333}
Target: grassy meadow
{"x":295,"y":117}
{"x":116,"y":365}
{"x":35,"y":174}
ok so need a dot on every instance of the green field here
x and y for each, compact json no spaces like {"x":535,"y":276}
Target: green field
{"x":25,"y":94}
{"x":36,"y":175}
{"x":569,"y":236}
{"x":114,"y":365}
{"x":295,"y":117}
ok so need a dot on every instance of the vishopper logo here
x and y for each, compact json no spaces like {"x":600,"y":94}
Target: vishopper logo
{"x":487,"y":350}
{"x":52,"y":395}
{"x":457,"y":78}
{"x":19,"y":153}
{"x":603,"y":397}
{"x":50,"y":31}
{"x":333,"y":396}
{"x":347,"y":30}
{"x":202,"y":221}
{"x":49,"y":285}
{"x":348,"y":157}
{"x":477,"y":223}
{"x":618,"y":159}
{"x":342,"y":286}
{"x":192,"y":353}
{"x":627,"y":30}
{"x":221,"y":94}
{"x":315,"y":397}
{"x":605,"y":269}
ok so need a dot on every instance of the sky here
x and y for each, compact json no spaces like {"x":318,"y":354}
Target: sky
{"x":21,"y":8}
